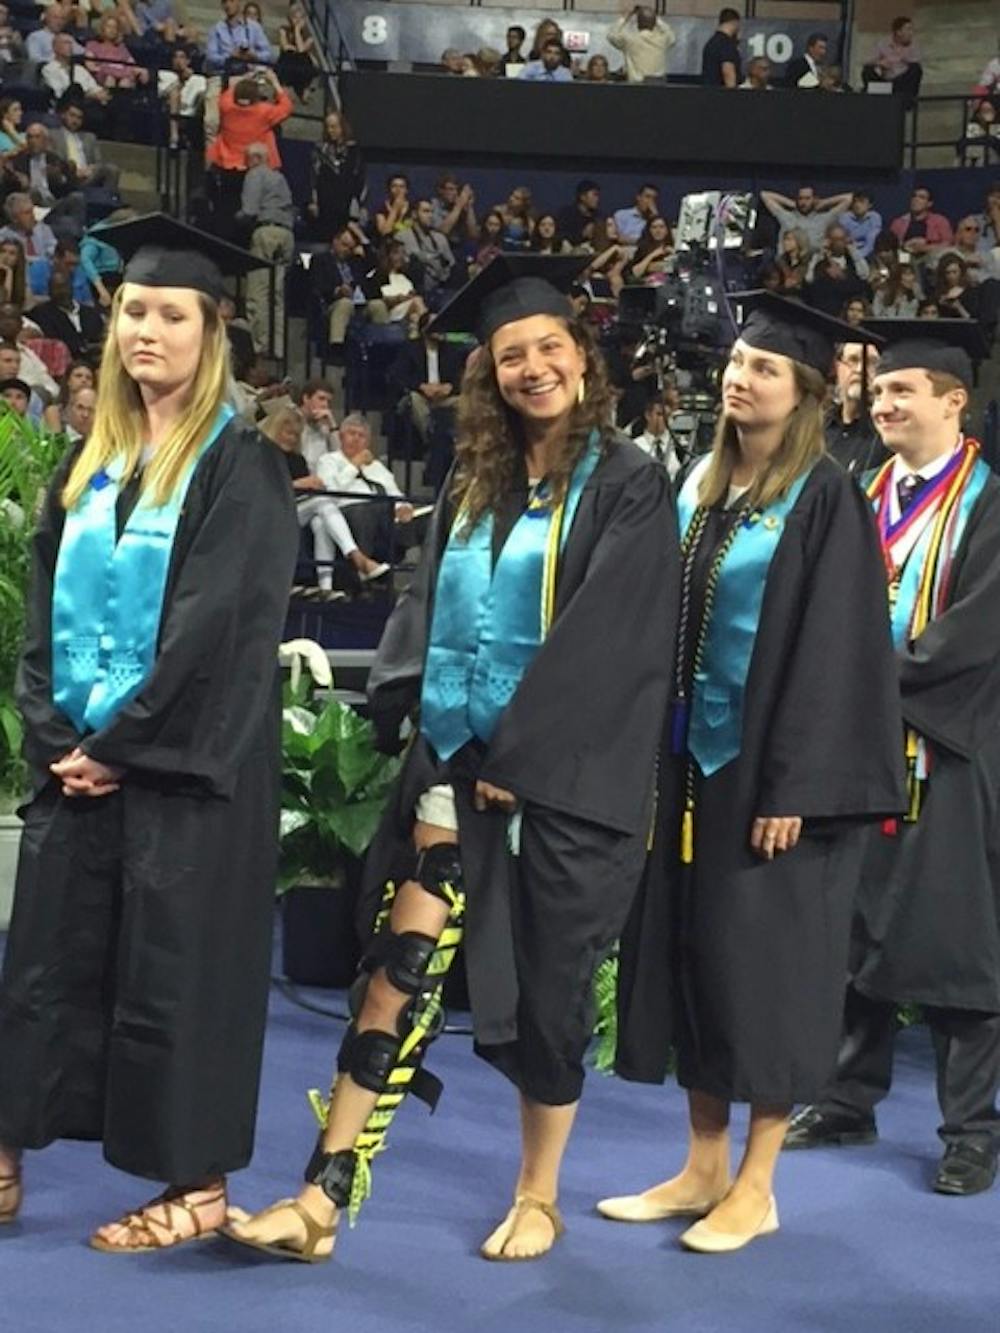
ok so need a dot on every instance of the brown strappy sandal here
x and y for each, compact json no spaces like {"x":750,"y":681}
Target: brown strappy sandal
{"x":144,"y":1232}
{"x":284,"y":1249}
{"x":524,"y":1203}
{"x":11,"y":1185}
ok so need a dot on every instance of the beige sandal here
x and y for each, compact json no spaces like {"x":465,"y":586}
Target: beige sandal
{"x":523,"y":1204}
{"x":140,"y":1235}
{"x":284,"y":1249}
{"x":11,"y":1185}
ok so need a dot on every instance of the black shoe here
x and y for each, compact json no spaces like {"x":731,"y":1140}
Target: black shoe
{"x":814,"y":1127}
{"x":966,"y":1168}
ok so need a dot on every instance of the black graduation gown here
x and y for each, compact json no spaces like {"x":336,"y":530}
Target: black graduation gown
{"x":135,"y":980}
{"x":928,"y":926}
{"x":577,"y":744}
{"x":741,"y":962}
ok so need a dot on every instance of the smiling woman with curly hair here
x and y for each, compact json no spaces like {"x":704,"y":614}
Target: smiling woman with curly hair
{"x":536,"y":640}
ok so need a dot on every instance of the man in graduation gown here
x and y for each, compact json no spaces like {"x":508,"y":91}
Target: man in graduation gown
{"x":927,"y":928}
{"x":135,"y":981}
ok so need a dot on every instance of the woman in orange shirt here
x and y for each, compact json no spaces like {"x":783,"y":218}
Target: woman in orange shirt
{"x":246,"y":116}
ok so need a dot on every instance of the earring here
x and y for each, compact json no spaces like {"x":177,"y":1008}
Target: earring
{"x":581,"y":391}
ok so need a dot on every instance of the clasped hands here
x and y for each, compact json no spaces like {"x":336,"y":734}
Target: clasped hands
{"x":82,"y":776}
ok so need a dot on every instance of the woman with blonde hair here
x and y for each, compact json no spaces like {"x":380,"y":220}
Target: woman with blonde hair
{"x":134,"y":987}
{"x":782,"y":741}
{"x":330,"y":529}
{"x":536,"y":650}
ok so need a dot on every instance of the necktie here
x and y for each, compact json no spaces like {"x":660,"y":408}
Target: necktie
{"x":375,"y":487}
{"x":907,"y":489}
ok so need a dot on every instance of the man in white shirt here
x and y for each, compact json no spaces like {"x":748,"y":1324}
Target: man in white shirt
{"x":319,"y":434}
{"x":40,"y":43}
{"x":182,"y":90}
{"x":656,"y":439}
{"x":61,"y":74}
{"x":644,"y":41}
{"x":354,"y":469}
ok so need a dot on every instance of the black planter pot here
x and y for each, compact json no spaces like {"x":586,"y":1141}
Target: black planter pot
{"x":319,"y":942}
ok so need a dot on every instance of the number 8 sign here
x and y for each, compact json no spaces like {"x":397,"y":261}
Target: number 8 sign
{"x":374,"y":30}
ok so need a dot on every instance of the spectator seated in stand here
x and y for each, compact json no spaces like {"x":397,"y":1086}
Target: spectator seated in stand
{"x":101,"y":262}
{"x":13,"y":272}
{"x":428,"y":249}
{"x":547,"y":29}
{"x":16,"y":394}
{"x":831,"y":80}
{"x":10,"y":369}
{"x":518,"y":218}
{"x":861,"y":222}
{"x":64,"y":319}
{"x":758,"y":77}
{"x":490,"y":242}
{"x":653,"y":253}
{"x":980,"y":265}
{"x":585,"y":210}
{"x":454,"y":210}
{"x":266,"y":219}
{"x":956,"y":296}
{"x":399,"y":305}
{"x":856,"y":310}
{"x":921,"y":229}
{"x":51,"y":182}
{"x":19,"y":332}
{"x":236,"y":45}
{"x":452,"y":62}
{"x":249,"y":110}
{"x":806,"y":211}
{"x":319,"y":433}
{"x":979,"y":146}
{"x":63,"y":72}
{"x":836,"y":273}
{"x":337,"y":177}
{"x":394,"y":214}
{"x":354,"y":470}
{"x":644,"y":40}
{"x":298,"y":64}
{"x":11,"y":118}
{"x":793,"y":260}
{"x":897,"y":61}
{"x":514,"y":54}
{"x":804,"y":71}
{"x":545,"y":239}
{"x":79,"y":147}
{"x":342,"y":279}
{"x":320,"y":513}
{"x":721,"y":63}
{"x":550,"y":67}
{"x":37,"y":239}
{"x":157,"y":26}
{"x":241,"y":348}
{"x":109,"y":60}
{"x":12,"y":51}
{"x":630,"y":222}
{"x":39,"y":44}
{"x":900,"y":295}
{"x":989,"y":83}
{"x":425,"y":378}
{"x":78,"y":415}
{"x":597,"y":70}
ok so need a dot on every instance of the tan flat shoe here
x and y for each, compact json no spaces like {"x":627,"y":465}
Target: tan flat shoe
{"x":706,"y":1240}
{"x":145,"y":1232}
{"x":636,"y":1208}
{"x":523,"y":1204}
{"x":287,"y":1249}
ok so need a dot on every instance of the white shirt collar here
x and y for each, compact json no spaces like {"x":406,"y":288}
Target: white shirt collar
{"x":900,"y":469}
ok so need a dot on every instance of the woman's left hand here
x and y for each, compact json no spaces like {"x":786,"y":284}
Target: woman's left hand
{"x":82,"y":776}
{"x":487,"y":795}
{"x":775,"y":833}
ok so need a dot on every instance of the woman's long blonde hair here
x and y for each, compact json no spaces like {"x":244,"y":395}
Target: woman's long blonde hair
{"x":120,"y":419}
{"x":801,"y":445}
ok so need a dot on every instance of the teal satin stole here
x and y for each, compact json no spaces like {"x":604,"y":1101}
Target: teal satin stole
{"x":715,"y":724}
{"x":107,"y":598}
{"x":909,"y":583}
{"x":488,"y":622}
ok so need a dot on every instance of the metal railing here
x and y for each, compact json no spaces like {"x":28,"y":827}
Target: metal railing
{"x":963,"y":104}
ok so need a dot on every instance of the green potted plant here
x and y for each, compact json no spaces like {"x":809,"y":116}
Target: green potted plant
{"x":334,"y":787}
{"x":28,"y":456}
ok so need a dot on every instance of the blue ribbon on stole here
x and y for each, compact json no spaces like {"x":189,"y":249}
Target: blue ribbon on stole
{"x":107,"y":598}
{"x":489,"y":622}
{"x":715,"y":721}
{"x":909,"y":583}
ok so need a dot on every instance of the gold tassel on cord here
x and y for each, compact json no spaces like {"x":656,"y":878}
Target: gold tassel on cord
{"x":913,"y":782}
{"x":687,"y":834}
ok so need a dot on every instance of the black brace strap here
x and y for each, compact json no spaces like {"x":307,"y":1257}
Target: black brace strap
{"x":405,"y":958}
{"x":430,"y":868}
{"x":333,"y":1172}
{"x":369,"y":1057}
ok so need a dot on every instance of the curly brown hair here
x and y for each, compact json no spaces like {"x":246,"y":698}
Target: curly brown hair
{"x":490,"y":441}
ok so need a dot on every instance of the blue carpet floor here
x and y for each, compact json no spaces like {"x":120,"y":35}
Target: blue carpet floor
{"x":864,"y":1245}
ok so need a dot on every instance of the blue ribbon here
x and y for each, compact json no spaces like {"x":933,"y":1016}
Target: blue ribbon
{"x":715,"y":719}
{"x":489,"y":622}
{"x":107,"y":598}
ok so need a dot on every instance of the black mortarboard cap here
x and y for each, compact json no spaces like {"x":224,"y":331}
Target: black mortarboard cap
{"x":160,"y":251}
{"x":946,"y":345}
{"x":510,"y":287}
{"x":788,"y":328}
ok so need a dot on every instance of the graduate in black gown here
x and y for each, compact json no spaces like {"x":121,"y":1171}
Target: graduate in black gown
{"x":537,"y":637}
{"x":784,"y":738}
{"x":135,"y":979}
{"x":927,"y":929}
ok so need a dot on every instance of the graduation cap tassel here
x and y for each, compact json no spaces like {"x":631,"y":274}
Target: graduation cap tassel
{"x":912,"y":780}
